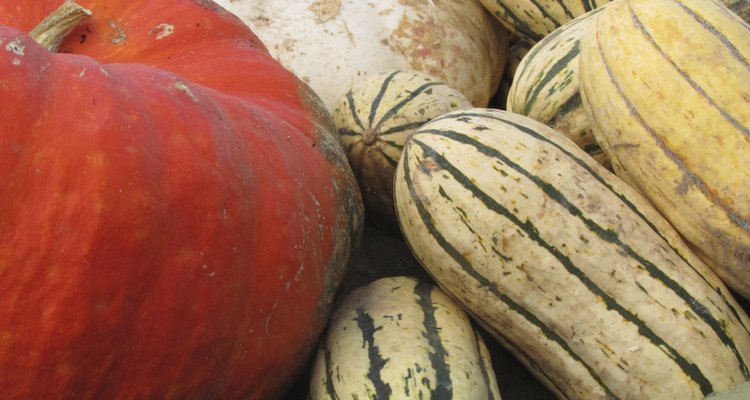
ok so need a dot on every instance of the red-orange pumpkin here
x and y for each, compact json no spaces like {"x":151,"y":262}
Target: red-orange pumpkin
{"x":175,"y":214}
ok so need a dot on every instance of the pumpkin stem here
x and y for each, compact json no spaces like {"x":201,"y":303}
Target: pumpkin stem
{"x":51,"y":32}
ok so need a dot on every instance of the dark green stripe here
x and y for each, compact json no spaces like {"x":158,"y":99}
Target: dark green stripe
{"x":612,"y":237}
{"x":467,"y":115}
{"x":379,"y":97}
{"x":486,"y":369}
{"x":535,"y":48}
{"x":395,"y":109}
{"x":546,"y":15}
{"x":573,"y":103}
{"x":393,"y":144}
{"x":353,"y":109}
{"x":391,"y":161}
{"x":516,"y":23}
{"x":550,"y":74}
{"x":403,"y":127}
{"x":443,"y":389}
{"x":545,"y":43}
{"x":487,"y":284}
{"x":347,"y":132}
{"x":563,"y":4}
{"x":366,"y":325}
{"x":737,"y":124}
{"x":330,"y":390}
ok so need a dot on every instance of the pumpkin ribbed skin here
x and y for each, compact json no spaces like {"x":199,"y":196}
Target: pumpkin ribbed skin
{"x":401,"y":338}
{"x":176,"y":211}
{"x":376,"y":118}
{"x":546,"y":85}
{"x":571,"y":269}
{"x":675,"y":120}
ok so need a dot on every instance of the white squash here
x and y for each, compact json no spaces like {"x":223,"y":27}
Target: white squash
{"x":333,"y":44}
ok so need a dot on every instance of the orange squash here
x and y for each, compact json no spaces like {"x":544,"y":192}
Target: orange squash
{"x":176,"y":213}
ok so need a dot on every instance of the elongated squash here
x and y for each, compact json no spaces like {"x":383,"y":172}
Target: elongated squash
{"x":399,"y":338}
{"x":545,"y":86}
{"x":571,"y":269}
{"x":533,"y":20}
{"x":667,"y":86}
{"x":376,"y":117}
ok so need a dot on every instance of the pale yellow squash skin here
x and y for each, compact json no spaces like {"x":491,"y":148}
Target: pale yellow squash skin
{"x":571,"y":269}
{"x":334,"y":44}
{"x":666,"y":84}
{"x":385,"y":339}
{"x":376,"y":118}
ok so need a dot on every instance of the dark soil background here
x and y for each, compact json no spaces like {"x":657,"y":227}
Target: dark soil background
{"x":384,"y":252}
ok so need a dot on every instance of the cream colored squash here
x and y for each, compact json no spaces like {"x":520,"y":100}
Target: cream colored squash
{"x":376,"y":118}
{"x":534,"y":20}
{"x":568,"y":267}
{"x":333,"y":44}
{"x":399,"y":338}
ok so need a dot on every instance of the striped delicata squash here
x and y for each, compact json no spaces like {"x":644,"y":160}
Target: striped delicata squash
{"x":546,"y":85}
{"x":568,"y":266}
{"x":400,"y":338}
{"x":533,"y":20}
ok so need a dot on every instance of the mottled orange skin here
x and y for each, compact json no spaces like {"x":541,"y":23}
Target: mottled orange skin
{"x":173,"y":219}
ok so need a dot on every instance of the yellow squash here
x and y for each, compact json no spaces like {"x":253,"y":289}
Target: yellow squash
{"x":667,"y":86}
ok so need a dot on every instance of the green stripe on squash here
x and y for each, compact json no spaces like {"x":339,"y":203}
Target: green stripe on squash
{"x":526,"y":231}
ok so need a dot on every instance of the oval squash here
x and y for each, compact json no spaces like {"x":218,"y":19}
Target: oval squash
{"x":570,"y":268}
{"x":398,"y":337}
{"x":675,"y":119}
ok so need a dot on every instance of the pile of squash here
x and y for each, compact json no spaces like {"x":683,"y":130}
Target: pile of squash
{"x":328,"y":199}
